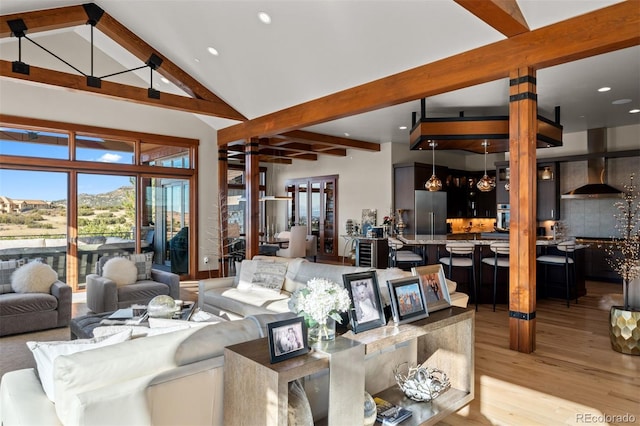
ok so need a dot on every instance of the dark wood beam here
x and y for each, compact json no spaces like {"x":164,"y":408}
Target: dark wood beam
{"x":71,"y":16}
{"x":118,"y":91}
{"x":570,"y":40}
{"x":287,"y":145}
{"x":503,"y":15}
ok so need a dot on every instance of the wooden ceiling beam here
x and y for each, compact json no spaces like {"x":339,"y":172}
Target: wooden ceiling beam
{"x":46,"y":20}
{"x":71,"y":16}
{"x":287,"y":145}
{"x":334,"y":141}
{"x":570,"y":40}
{"x":113,"y":90}
{"x":503,"y":15}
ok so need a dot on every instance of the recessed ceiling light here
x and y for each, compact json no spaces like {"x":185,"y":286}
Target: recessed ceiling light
{"x":634,"y":111}
{"x":212,"y":50}
{"x":196,"y":59}
{"x":621,"y":101}
{"x":402,"y":127}
{"x":346,"y":134}
{"x":164,"y":80}
{"x":264,"y":17}
{"x":604,"y":89}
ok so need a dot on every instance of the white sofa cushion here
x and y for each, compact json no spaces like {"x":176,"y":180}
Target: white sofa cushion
{"x":45,"y":354}
{"x":246,"y":303}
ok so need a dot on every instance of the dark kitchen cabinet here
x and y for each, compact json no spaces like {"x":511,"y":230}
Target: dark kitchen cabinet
{"x":502,"y":179}
{"x":598,"y":263}
{"x":548,"y":191}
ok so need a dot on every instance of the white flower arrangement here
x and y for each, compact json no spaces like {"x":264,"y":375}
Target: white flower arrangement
{"x":320,"y":299}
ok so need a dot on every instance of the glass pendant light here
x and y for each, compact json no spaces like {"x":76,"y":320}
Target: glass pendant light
{"x":433,"y":184}
{"x":486,"y":184}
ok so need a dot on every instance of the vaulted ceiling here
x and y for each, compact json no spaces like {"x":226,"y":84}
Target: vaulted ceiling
{"x":310,"y":50}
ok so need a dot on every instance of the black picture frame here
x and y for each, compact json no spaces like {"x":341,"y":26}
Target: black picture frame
{"x":403,"y":290}
{"x":434,"y":286}
{"x":366,"y":311}
{"x":287,"y":339}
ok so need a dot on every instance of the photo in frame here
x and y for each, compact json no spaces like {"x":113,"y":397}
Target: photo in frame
{"x":366,"y":311}
{"x":287,"y":339}
{"x":369,"y":219}
{"x":407,"y":300}
{"x":434,"y":286}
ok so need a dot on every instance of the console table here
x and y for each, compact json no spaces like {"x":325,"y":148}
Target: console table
{"x":256,"y":391}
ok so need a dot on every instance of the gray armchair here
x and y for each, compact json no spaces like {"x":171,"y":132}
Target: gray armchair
{"x":25,"y":312}
{"x":104,"y":296}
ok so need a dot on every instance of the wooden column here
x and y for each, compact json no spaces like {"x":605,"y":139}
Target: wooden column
{"x":522,"y":197}
{"x":252,"y":176}
{"x":223,"y":211}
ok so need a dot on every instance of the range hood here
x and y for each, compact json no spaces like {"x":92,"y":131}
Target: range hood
{"x":596,"y":186}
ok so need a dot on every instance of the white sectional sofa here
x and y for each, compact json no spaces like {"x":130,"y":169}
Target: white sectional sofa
{"x":234,"y":297}
{"x":169,"y":379}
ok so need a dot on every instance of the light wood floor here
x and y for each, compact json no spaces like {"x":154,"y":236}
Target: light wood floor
{"x":574,"y":377}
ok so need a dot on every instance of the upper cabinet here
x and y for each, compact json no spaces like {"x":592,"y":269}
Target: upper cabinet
{"x":548,"y":191}
{"x":502,"y":180}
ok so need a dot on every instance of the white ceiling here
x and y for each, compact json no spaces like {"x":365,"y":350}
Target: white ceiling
{"x":314,"y":48}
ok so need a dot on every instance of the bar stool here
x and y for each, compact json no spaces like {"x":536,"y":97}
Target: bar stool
{"x":398,"y":256}
{"x":500,"y":259}
{"x":566,"y":260}
{"x":462,"y":255}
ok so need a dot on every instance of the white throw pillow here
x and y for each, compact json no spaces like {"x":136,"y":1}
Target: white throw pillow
{"x":263,"y":274}
{"x":34,"y":277}
{"x":45,"y":354}
{"x":120,"y":270}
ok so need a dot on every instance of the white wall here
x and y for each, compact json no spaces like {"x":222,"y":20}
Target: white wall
{"x":49,"y":103}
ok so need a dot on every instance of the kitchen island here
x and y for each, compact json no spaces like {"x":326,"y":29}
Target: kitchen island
{"x":554,"y":287}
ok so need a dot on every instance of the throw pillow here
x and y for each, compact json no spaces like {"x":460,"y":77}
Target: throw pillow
{"x":299,"y":409}
{"x":45,"y":353}
{"x":143,"y":262}
{"x":262,"y":274}
{"x":120,"y":270}
{"x":7,"y":268}
{"x":34,"y":277}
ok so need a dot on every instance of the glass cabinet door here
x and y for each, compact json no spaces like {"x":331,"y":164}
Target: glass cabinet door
{"x":328,"y":244}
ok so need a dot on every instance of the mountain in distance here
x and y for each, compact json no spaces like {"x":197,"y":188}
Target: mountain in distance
{"x":114,"y":198}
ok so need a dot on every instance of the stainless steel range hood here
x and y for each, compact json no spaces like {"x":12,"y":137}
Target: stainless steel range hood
{"x":596,"y":186}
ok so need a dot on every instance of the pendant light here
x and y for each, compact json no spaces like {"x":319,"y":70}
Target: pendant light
{"x":433,"y":184}
{"x":486,"y":184}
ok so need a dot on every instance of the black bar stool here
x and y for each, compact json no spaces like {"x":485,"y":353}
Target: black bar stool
{"x":500,"y":259}
{"x":567,"y":261}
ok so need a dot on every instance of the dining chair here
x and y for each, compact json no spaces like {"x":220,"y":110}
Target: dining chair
{"x":297,"y":243}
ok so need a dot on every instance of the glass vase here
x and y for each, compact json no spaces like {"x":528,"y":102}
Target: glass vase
{"x":323,"y":331}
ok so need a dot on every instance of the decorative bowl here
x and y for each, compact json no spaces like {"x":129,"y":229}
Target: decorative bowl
{"x":162,"y":307}
{"x":421,"y":383}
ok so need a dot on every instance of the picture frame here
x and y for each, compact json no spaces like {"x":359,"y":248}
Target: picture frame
{"x":434,"y":286}
{"x":407,"y":300}
{"x":366,"y":311}
{"x":287,"y":339}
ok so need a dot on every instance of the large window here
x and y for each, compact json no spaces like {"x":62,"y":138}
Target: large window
{"x":114,"y":195}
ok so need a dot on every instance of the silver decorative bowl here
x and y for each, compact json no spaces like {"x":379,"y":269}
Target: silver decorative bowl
{"x":162,"y":307}
{"x":421,"y":383}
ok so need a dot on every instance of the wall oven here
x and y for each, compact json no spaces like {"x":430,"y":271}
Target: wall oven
{"x":502,"y":221}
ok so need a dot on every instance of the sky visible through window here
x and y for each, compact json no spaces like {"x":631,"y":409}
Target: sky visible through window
{"x":52,"y":186}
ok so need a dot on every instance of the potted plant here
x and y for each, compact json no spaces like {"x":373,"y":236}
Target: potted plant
{"x":624,"y":329}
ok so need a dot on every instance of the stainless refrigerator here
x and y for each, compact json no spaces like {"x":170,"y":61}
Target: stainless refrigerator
{"x":430,"y":213}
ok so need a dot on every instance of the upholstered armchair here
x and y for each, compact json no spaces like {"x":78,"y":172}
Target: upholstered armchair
{"x":26,"y":308}
{"x":108,"y":291}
